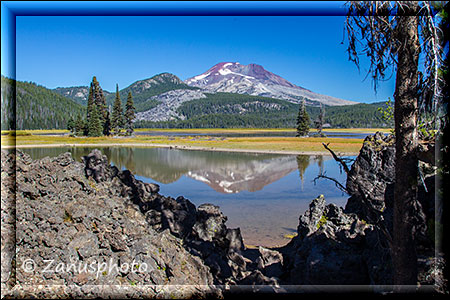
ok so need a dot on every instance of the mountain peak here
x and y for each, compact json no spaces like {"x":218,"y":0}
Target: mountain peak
{"x":237,"y":72}
{"x":165,"y":77}
{"x":254,"y":79}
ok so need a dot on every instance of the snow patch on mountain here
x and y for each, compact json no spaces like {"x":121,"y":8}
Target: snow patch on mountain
{"x":253,"y":79}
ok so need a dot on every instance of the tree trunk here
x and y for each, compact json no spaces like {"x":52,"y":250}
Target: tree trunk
{"x":404,"y":254}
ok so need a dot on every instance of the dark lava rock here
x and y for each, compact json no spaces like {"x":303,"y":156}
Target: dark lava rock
{"x":72,"y":219}
{"x":62,"y":211}
{"x":337,"y":246}
{"x":371,"y":174}
{"x":330,"y":247}
{"x":84,"y":215}
{"x":371,"y":183}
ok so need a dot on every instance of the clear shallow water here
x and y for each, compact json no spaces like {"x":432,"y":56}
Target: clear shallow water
{"x":263,"y":194}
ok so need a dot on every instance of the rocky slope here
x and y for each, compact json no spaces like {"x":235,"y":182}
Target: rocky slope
{"x":167,"y":104}
{"x":79,"y":94}
{"x":253,"y":79}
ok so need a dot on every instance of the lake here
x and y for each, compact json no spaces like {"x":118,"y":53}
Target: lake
{"x":263,"y":194}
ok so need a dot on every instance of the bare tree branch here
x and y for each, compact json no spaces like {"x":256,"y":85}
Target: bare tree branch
{"x":338,"y":159}
{"x":337,"y":183}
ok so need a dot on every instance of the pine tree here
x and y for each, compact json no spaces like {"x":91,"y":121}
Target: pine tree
{"x":401,"y":35}
{"x":100,"y":101}
{"x":97,"y":103}
{"x":79,"y":126}
{"x":71,"y":125}
{"x":302,"y":121}
{"x":90,"y":103}
{"x":117,"y":114}
{"x":107,"y":124}
{"x":129,"y":114}
{"x":95,"y":127}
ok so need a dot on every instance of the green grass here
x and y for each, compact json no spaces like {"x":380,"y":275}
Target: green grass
{"x":279,"y":144}
{"x":258,"y":130}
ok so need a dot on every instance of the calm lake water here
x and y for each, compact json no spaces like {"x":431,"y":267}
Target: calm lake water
{"x":263,"y":194}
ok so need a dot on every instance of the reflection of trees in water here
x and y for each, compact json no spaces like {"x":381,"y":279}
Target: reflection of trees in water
{"x":319,"y":160}
{"x":302,"y":163}
{"x":121,"y":157}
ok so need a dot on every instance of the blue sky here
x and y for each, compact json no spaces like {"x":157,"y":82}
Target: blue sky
{"x":306,"y":50}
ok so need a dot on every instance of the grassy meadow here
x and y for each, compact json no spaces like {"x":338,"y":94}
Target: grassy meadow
{"x":30,"y":138}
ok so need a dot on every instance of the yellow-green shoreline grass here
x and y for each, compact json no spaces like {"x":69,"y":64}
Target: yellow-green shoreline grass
{"x":258,"y":130}
{"x":264,"y":144}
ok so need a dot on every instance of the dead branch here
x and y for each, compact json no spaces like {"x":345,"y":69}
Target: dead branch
{"x":338,"y":159}
{"x":337,"y":183}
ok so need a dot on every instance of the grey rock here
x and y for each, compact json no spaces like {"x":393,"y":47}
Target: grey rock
{"x":68,"y":218}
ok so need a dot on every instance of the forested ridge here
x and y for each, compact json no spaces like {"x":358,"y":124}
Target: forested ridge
{"x":37,"y":107}
{"x":222,"y":110}
{"x":143,"y":90}
{"x":42,"y":108}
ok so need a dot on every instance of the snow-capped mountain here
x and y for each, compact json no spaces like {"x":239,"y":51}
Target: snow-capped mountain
{"x":253,"y":79}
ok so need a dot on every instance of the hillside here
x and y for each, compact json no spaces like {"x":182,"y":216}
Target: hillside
{"x":142,"y":91}
{"x":79,"y":94}
{"x":164,"y":101}
{"x":37,"y":107}
{"x":227,"y":110}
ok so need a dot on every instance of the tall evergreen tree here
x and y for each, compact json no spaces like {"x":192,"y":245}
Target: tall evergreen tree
{"x":107,"y":124}
{"x":90,"y":103}
{"x":302,"y":120}
{"x":71,"y":125}
{"x":117,"y":114}
{"x":100,"y":101}
{"x":129,"y":114}
{"x":79,"y":126}
{"x":95,"y":127}
{"x":97,"y":103}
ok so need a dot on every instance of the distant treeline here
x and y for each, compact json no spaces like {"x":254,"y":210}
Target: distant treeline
{"x":36,"y":107}
{"x":224,"y":110}
{"x":40,"y":108}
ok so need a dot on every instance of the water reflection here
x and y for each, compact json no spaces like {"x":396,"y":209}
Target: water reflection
{"x":225,"y":172}
{"x":263,"y":194}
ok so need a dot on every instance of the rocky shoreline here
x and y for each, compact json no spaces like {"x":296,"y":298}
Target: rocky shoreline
{"x":86,"y":229}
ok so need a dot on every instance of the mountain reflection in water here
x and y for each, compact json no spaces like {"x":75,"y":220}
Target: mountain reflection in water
{"x":225,"y":172}
{"x":263,"y":194}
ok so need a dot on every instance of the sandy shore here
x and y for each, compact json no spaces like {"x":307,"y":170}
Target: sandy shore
{"x":183,"y":147}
